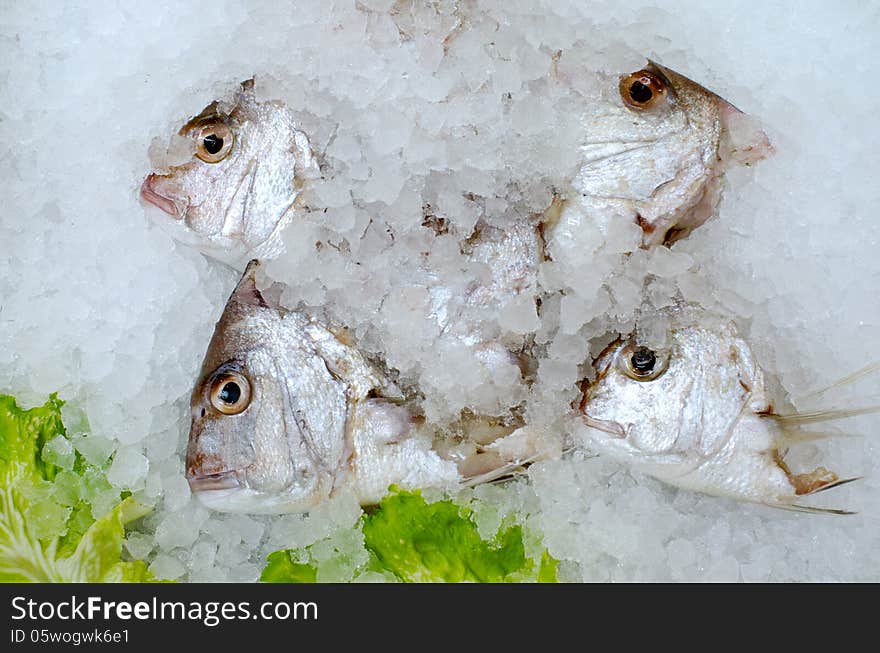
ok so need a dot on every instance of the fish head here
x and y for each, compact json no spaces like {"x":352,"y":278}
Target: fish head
{"x":656,"y":150}
{"x":667,"y":409}
{"x":233,"y":176}
{"x":251,"y":444}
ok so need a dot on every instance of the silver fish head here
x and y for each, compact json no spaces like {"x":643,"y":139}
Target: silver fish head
{"x":268,"y":417}
{"x":656,"y":150}
{"x":697,"y":414}
{"x":244,"y":167}
{"x":651,"y":401}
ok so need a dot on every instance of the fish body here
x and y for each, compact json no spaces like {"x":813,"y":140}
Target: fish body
{"x":246,"y":164}
{"x":655,"y":148}
{"x":696,"y":414}
{"x":285,"y":413}
{"x":505,"y":264}
{"x":511,"y":256}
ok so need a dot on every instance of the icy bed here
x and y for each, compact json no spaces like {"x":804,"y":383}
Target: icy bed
{"x":101,"y":306}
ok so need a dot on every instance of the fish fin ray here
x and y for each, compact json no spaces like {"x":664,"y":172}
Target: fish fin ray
{"x":843,"y":381}
{"x":796,"y":436}
{"x":829,"y":415}
{"x":246,"y":290}
{"x":503,"y":472}
{"x":813,"y":510}
{"x":831,"y":485}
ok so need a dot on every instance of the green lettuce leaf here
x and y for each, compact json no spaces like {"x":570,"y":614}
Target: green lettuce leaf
{"x":48,"y":530}
{"x":23,"y":433}
{"x":417,"y":541}
{"x":281,"y":568}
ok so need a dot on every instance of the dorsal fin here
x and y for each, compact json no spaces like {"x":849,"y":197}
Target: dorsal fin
{"x":246,"y":291}
{"x":246,"y":91}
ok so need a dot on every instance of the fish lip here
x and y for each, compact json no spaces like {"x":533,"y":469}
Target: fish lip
{"x":149,"y":194}
{"x":209,"y":482}
{"x":611,"y":427}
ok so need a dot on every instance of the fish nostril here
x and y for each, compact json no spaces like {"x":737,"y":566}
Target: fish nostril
{"x":204,"y":412}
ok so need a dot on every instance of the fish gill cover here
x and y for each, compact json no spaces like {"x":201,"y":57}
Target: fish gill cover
{"x":52,"y":528}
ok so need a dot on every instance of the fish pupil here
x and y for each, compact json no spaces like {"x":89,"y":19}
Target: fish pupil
{"x":212,"y":143}
{"x":230,"y":393}
{"x":640,"y":92}
{"x":643,"y":360}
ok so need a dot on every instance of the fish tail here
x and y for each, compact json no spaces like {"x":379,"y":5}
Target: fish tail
{"x":821,"y":486}
{"x":816,"y":481}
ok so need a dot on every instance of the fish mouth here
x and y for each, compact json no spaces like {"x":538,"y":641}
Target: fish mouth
{"x":612,"y":428}
{"x":211,"y":482}
{"x":602,"y":365}
{"x":151,"y":195}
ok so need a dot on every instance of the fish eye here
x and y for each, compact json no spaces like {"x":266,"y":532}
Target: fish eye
{"x":230,"y":393}
{"x":214,"y":142}
{"x":642,"y":363}
{"x":643,"y":90}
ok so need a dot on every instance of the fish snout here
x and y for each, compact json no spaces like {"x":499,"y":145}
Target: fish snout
{"x":208,"y":472}
{"x":152,"y":192}
{"x":206,"y":468}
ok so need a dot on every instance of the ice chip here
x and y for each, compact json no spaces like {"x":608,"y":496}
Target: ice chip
{"x":139,"y":545}
{"x":166,"y":567}
{"x":59,"y":451}
{"x":94,"y":448}
{"x":128,"y":469}
{"x":177,"y":492}
{"x":519,"y":315}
